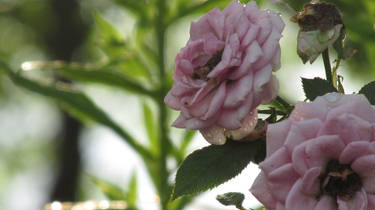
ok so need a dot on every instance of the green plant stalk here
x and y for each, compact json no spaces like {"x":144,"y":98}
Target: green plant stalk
{"x":164,"y":189}
{"x":327,"y":66}
{"x":334,"y":73}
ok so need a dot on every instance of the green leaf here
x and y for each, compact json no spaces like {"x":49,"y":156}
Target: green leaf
{"x":108,"y":32}
{"x":111,"y":191}
{"x":231,"y":199}
{"x":132,"y":192}
{"x":213,"y":165}
{"x":369,"y":91}
{"x":136,"y":7}
{"x":78,"y":103}
{"x":107,"y":77}
{"x":316,"y":87}
{"x":151,"y":127}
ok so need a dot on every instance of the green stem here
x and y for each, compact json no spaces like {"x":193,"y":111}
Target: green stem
{"x":240,"y":207}
{"x":334,"y":73}
{"x":284,"y":103}
{"x":164,"y":189}
{"x":278,"y":112}
{"x":327,"y":66}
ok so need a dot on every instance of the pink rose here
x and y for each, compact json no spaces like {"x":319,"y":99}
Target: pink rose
{"x":225,"y":70}
{"x":321,"y":158}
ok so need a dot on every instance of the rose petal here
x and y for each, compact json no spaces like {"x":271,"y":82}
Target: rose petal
{"x":276,"y":135}
{"x":237,"y":91}
{"x":281,"y":180}
{"x":358,"y":202}
{"x":356,"y":150}
{"x":326,"y":203}
{"x":297,"y":200}
{"x":261,"y":191}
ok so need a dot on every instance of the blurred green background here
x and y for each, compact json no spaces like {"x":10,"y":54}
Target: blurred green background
{"x":46,"y":155}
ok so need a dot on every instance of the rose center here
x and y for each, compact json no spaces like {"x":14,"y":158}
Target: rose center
{"x":339,"y":180}
{"x":202,"y":72}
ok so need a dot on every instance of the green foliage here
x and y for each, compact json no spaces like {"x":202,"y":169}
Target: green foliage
{"x":113,"y":192}
{"x":231,"y":199}
{"x":76,"y":102}
{"x":131,"y":195}
{"x":369,"y":91}
{"x":151,"y":128}
{"x":213,"y":165}
{"x":103,"y":76}
{"x":109,"y":33}
{"x":316,"y":87}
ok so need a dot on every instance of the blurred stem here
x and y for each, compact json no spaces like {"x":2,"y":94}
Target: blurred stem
{"x":334,"y":73}
{"x":327,"y":66}
{"x":164,"y":141}
{"x":278,"y":112}
{"x":284,"y":103}
{"x":240,"y":207}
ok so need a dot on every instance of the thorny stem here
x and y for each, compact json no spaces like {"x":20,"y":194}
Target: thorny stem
{"x":327,"y":66}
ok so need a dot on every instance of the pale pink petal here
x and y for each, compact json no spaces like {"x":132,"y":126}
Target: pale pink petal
{"x":364,"y":164}
{"x":250,"y":35}
{"x":355,"y":150}
{"x":297,"y":200}
{"x":371,"y":201}
{"x":320,"y":150}
{"x":253,"y":52}
{"x":269,"y":91}
{"x":180,"y":122}
{"x":248,"y":125}
{"x":261,"y":191}
{"x":269,"y":48}
{"x":228,"y":119}
{"x":276,"y":20}
{"x":311,"y":182}
{"x":216,"y":21}
{"x":279,"y":158}
{"x":238,"y":91}
{"x":262,"y":77}
{"x":326,"y":203}
{"x":212,"y":45}
{"x":276,"y":135}
{"x":281,"y":180}
{"x":185,"y":66}
{"x":216,"y":102}
{"x":172,"y":101}
{"x":358,"y":202}
{"x":349,"y":127}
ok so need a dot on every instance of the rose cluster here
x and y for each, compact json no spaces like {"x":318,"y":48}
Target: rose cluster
{"x":321,"y":158}
{"x":225,"y":71}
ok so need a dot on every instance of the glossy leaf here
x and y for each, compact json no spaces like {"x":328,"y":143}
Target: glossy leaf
{"x":316,"y":87}
{"x":213,"y":165}
{"x":369,"y":91}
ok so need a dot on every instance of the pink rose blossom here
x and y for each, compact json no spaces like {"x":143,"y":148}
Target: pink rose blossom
{"x":321,"y":158}
{"x":225,"y":71}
